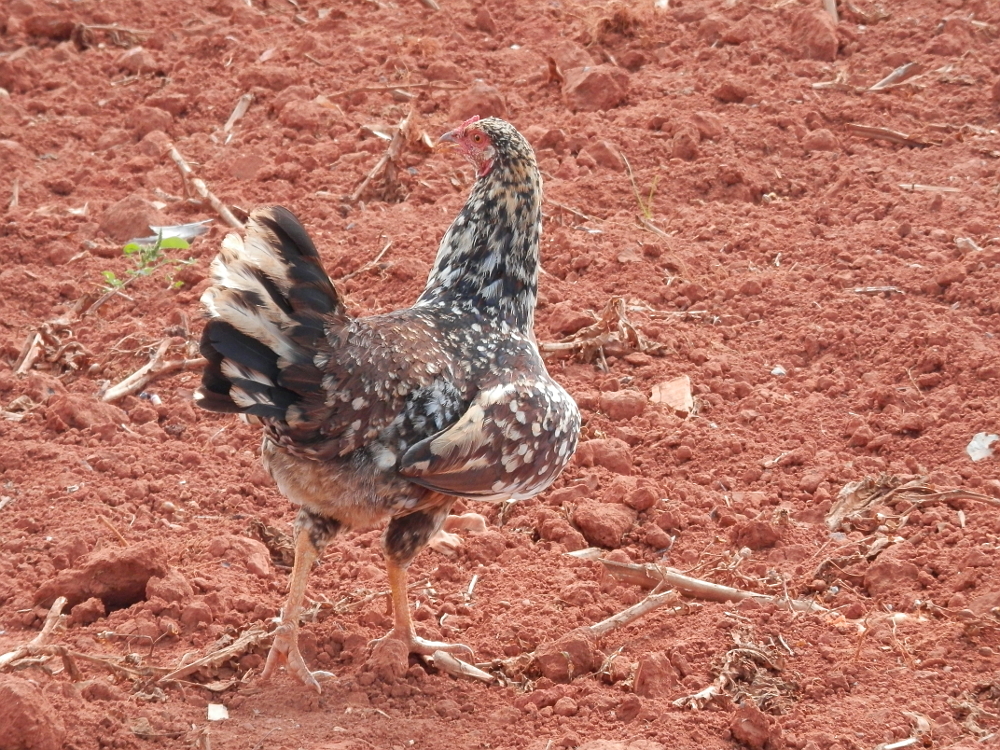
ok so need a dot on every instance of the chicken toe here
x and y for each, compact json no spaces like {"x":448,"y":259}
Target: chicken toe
{"x":447,"y":543}
{"x":285,"y":651}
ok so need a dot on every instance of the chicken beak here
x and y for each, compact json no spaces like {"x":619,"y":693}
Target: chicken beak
{"x":448,"y":140}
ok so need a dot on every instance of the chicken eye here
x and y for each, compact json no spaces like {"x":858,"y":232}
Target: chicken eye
{"x":478,"y":138}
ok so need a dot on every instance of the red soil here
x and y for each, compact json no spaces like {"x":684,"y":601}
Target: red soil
{"x":758,"y":220}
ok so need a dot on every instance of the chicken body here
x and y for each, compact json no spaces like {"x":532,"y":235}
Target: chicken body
{"x":391,"y":417}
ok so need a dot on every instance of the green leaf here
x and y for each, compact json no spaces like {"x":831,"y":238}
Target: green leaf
{"x":131,"y":249}
{"x":174,"y":243}
{"x":111,"y":280}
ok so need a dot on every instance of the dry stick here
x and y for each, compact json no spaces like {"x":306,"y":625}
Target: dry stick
{"x":391,"y":154}
{"x":883,"y":134}
{"x":114,"y":531}
{"x":15,"y":194}
{"x":379,"y":89}
{"x":633,"y":613}
{"x":241,"y":109}
{"x":878,"y":290}
{"x":569,"y":209}
{"x":187,"y":174}
{"x":29,"y":353}
{"x":831,"y":8}
{"x":647,"y":224}
{"x":458,"y":668}
{"x":370,"y":264}
{"x":650,"y":576}
{"x":150,"y":371}
{"x":51,"y":620}
{"x":916,"y":187}
{"x":430,"y":4}
{"x":250,"y":638}
{"x":897,"y":76}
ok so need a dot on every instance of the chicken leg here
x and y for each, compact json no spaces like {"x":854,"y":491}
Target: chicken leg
{"x":311,"y":535}
{"x":404,"y":538}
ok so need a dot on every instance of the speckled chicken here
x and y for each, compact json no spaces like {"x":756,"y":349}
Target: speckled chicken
{"x":392,"y":417}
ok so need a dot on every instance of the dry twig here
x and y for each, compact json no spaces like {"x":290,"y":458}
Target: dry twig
{"x":149,"y":372}
{"x":369,"y":265}
{"x":631,"y":614}
{"x":896,"y":77}
{"x":613,"y":330}
{"x":250,"y":638}
{"x":650,"y":576}
{"x":884,"y":134}
{"x":857,"y":499}
{"x":51,"y":620}
{"x":188,"y":176}
{"x":387,"y":164}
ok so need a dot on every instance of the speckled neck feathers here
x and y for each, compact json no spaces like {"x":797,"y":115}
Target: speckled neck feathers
{"x":488,"y":259}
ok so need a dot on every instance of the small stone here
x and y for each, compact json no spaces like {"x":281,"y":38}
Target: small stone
{"x":144,"y":120}
{"x":995,"y":91}
{"x":814,"y":34}
{"x":565,"y":706}
{"x":621,"y":406}
{"x":246,"y":165}
{"x":709,"y":125}
{"x":655,"y":676}
{"x":732,"y":91}
{"x":885,"y":576}
{"x":811,"y":481}
{"x":755,"y":534}
{"x":441,"y":70}
{"x":595,"y":88}
{"x":684,"y":144}
{"x":136,"y":60}
{"x":308,"y":116}
{"x":117,"y":577}
{"x":568,"y":55}
{"x":173,"y":102}
{"x":821,"y":140}
{"x":448,"y":709}
{"x":751,"y":288}
{"x":751,"y":728}
{"x":389,"y":660}
{"x":130,"y":217}
{"x":172,"y":587}
{"x":480,"y":99}
{"x":53,"y":26}
{"x":196,"y":612}
{"x":603,"y":524}
{"x":484,"y":21}
{"x":605,"y":155}
{"x":641,"y":498}
{"x":570,"y":656}
{"x":952,"y":273}
{"x":566,"y":319}
{"x":87,"y":612}
{"x":612,"y":454}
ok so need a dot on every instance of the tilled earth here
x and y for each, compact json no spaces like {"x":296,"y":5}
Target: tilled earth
{"x":728,"y":200}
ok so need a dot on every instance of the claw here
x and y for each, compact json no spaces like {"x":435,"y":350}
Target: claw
{"x":418,"y":645}
{"x":285,"y":650}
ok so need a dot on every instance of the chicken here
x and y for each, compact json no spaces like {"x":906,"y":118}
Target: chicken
{"x":392,"y":417}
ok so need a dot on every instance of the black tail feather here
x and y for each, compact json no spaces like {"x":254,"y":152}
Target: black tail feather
{"x":269,"y":308}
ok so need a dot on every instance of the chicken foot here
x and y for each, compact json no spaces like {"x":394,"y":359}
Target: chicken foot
{"x":285,"y":647}
{"x":404,"y":538}
{"x":402,"y":629}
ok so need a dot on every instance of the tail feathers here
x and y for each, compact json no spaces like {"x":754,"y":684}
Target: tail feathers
{"x":269,"y":308}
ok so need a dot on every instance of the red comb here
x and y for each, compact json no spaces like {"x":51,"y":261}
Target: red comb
{"x":474,"y":118}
